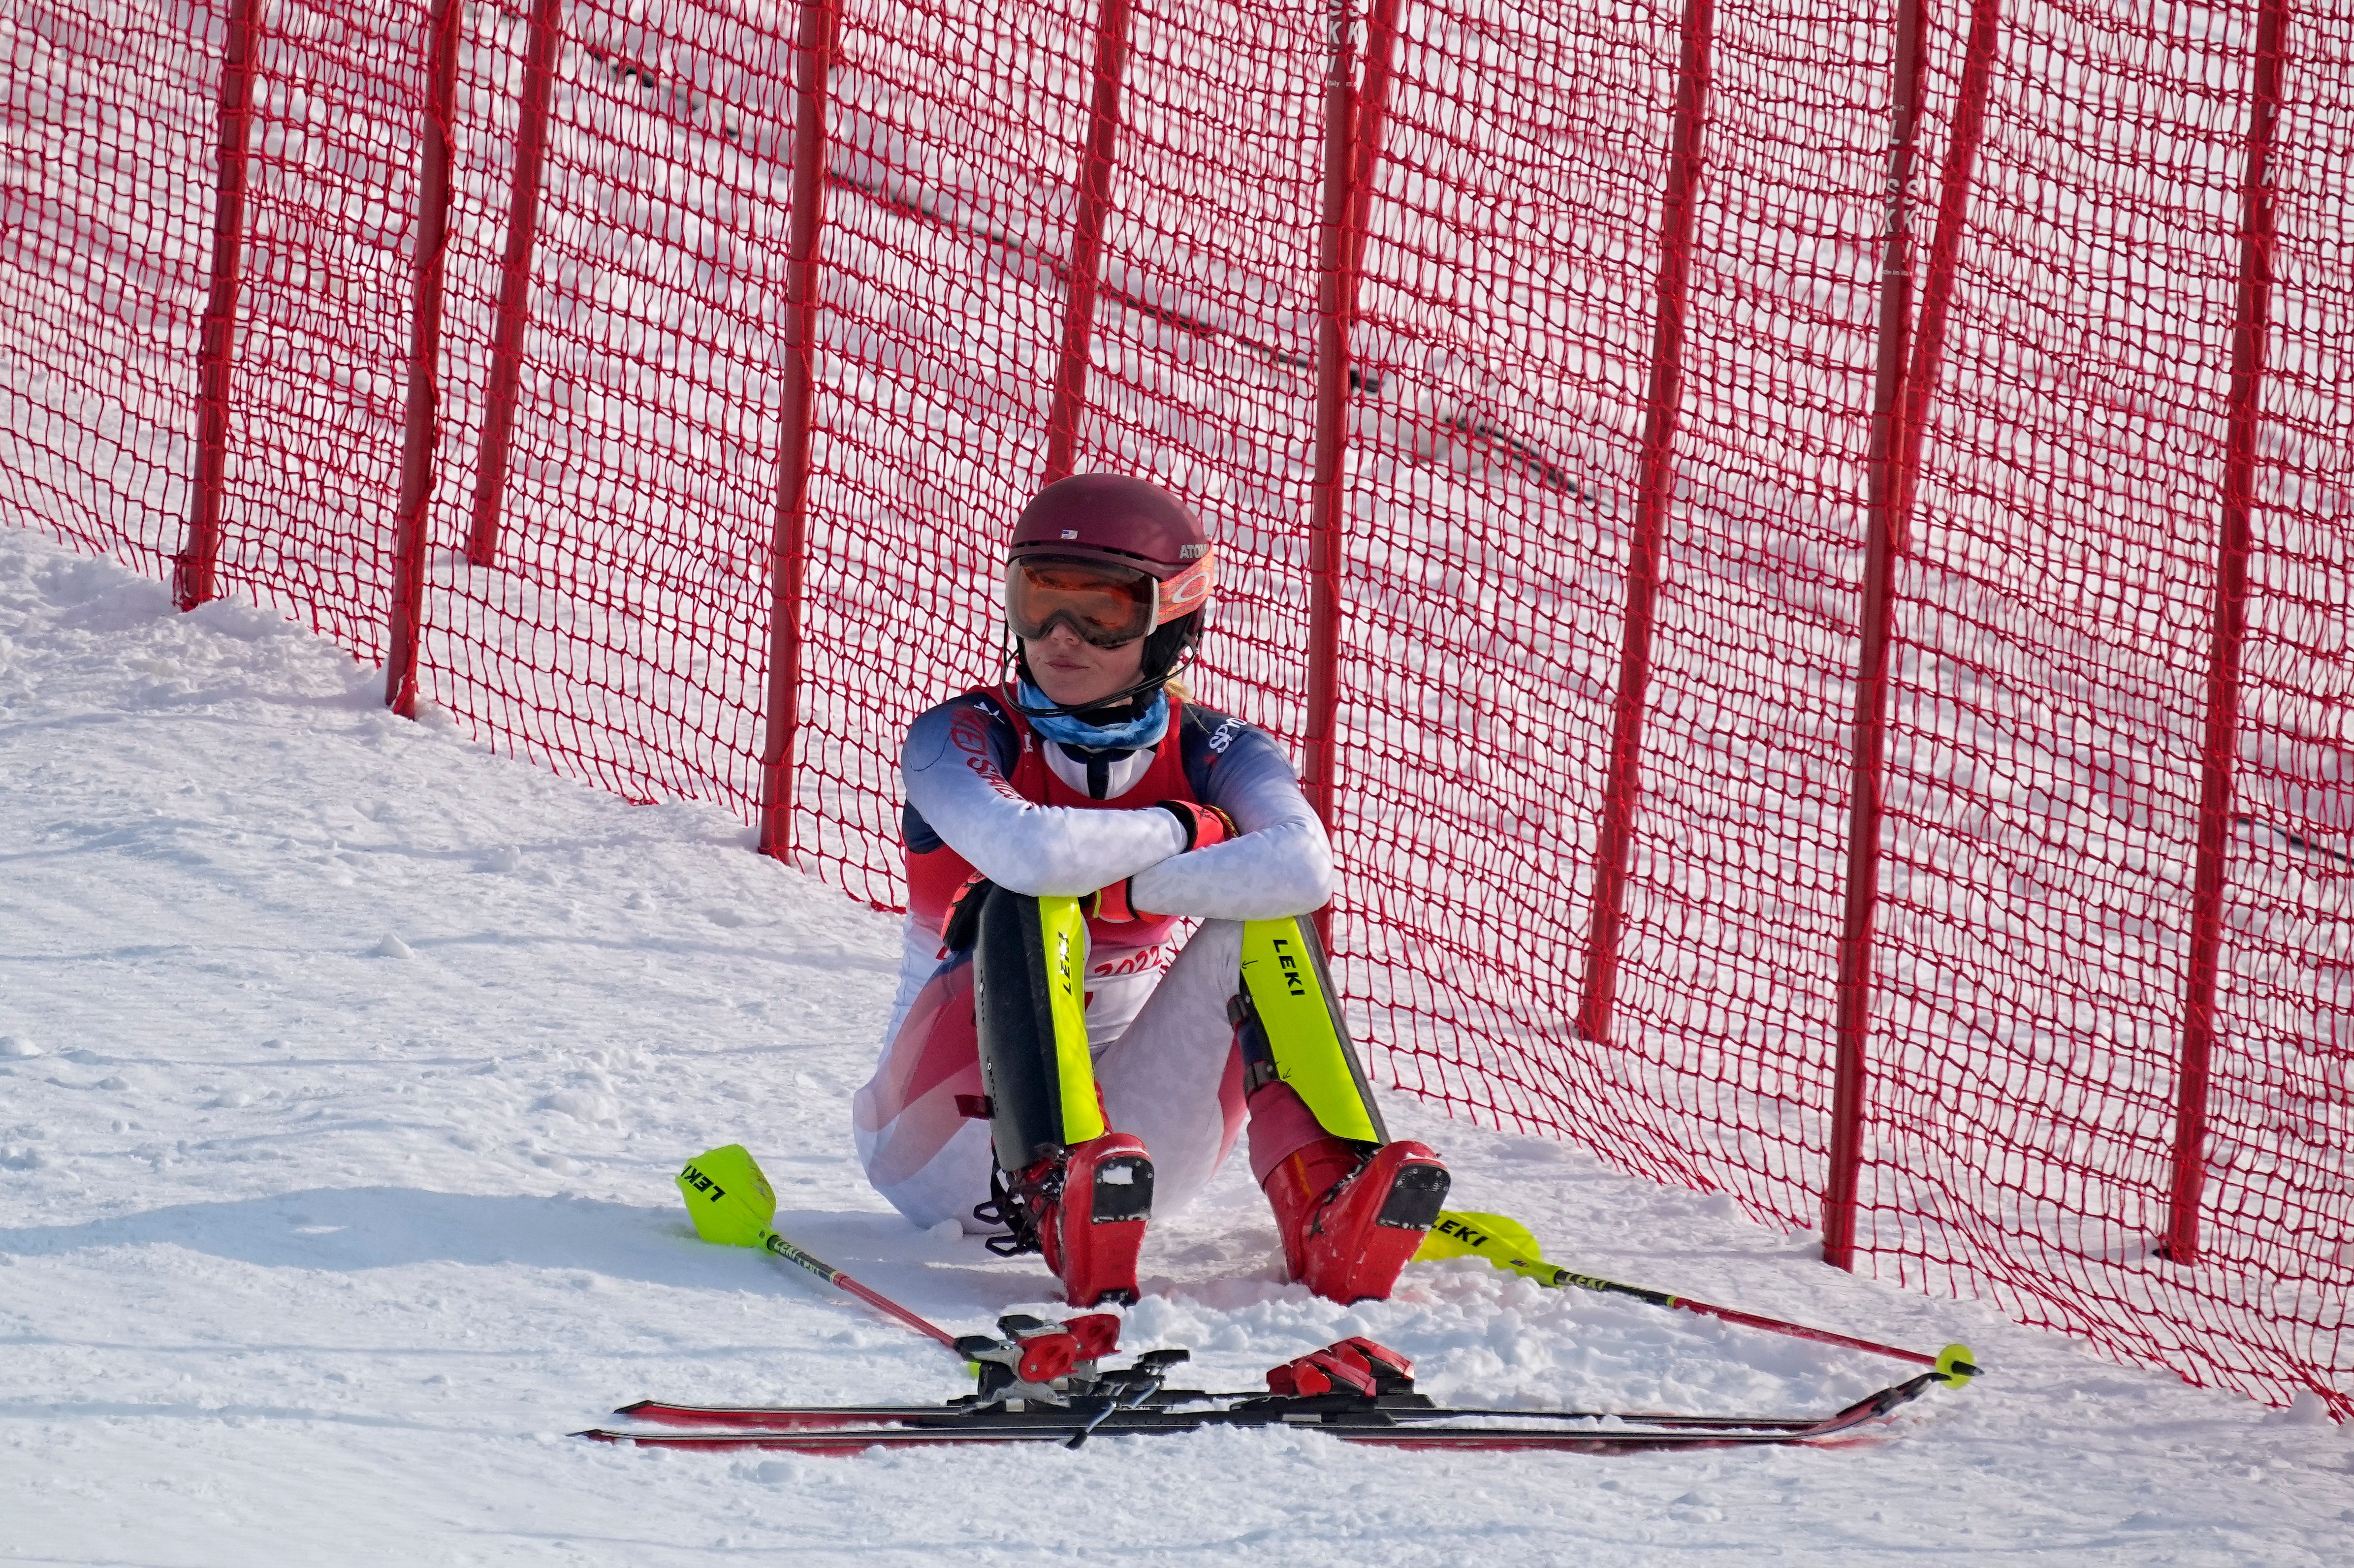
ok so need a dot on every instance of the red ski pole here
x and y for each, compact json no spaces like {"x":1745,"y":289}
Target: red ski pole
{"x":775,"y":1244}
{"x":1952,"y":1363}
{"x":1499,"y":1238}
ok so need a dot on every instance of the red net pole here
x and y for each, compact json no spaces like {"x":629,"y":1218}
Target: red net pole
{"x":1337,"y":254}
{"x":1327,"y":502}
{"x":2251,"y":323}
{"x":1082,"y":273}
{"x":1953,"y":218}
{"x":192,"y":576}
{"x":1662,"y":408}
{"x":515,"y":283}
{"x":1886,"y":453}
{"x":812,"y":64}
{"x":421,"y":419}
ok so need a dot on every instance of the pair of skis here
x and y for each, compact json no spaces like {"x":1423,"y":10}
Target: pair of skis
{"x":1045,"y":1382}
{"x":1377,"y":1408}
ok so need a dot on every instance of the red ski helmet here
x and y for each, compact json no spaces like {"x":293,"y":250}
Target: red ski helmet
{"x":1111,"y":520}
{"x":1122,"y":522}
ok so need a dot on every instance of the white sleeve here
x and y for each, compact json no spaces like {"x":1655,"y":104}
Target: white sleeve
{"x":1282,"y":864}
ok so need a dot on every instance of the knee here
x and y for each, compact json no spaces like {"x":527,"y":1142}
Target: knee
{"x":1220,"y":944}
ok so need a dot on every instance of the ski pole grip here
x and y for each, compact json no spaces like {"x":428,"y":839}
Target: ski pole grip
{"x":1558,"y":1278}
{"x":777,"y":1244}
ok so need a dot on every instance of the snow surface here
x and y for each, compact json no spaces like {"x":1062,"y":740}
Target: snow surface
{"x":343,"y":1068}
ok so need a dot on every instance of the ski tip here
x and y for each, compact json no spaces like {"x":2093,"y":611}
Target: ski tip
{"x":630,"y":1409}
{"x":1956,"y":1365}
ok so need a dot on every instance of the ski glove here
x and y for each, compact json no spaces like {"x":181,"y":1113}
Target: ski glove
{"x":1204,"y":826}
{"x":963,"y":922}
{"x":1111,"y":904}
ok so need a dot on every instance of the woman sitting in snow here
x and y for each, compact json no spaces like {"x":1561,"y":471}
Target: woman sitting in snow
{"x":1056,"y":1065}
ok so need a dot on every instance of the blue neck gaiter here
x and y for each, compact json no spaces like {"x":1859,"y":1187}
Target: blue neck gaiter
{"x":1137,"y":733}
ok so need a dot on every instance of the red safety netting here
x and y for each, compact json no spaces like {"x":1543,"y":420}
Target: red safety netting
{"x":2281,"y":1110}
{"x":609,"y":433}
{"x":105,"y":229}
{"x":2045,"y":719}
{"x":930,"y":425}
{"x":604,"y":607}
{"x":2056,"y":627}
{"x":1477,"y":659}
{"x":322,"y":338}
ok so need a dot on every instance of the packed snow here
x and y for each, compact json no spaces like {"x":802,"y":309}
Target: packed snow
{"x":343,"y":1070}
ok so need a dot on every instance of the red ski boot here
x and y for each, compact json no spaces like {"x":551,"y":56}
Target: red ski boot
{"x":1086,"y":1209}
{"x":1351,"y":1214}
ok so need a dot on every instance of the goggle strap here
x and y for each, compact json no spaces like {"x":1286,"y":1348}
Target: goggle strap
{"x":1187,"y":591}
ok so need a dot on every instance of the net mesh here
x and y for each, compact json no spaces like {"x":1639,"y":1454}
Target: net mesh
{"x":611,"y":616}
{"x":597,"y":596}
{"x":2055,"y":621}
{"x":103,"y":240}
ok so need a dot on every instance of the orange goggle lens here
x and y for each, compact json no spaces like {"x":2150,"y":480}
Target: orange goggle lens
{"x":1104,"y":604}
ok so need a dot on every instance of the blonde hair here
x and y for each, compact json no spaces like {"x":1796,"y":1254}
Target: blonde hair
{"x":1176,"y":686}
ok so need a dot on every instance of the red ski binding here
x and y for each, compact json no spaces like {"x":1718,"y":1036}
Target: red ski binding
{"x":1360,"y":1365}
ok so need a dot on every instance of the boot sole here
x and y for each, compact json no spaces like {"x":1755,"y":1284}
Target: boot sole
{"x":1418,"y":1184}
{"x":1119,"y":1194}
{"x":1417,"y":1193}
{"x":1124,"y":1190}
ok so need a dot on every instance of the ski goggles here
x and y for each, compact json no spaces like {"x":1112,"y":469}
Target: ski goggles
{"x":1104,"y":604}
